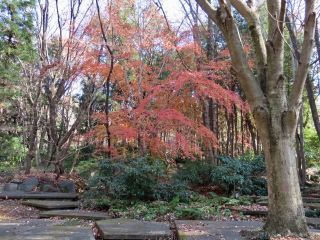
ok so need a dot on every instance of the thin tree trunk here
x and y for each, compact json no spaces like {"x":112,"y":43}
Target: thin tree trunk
{"x":253,"y":134}
{"x":300,"y":150}
{"x":236,"y":131}
{"x":206,"y":121}
{"x":31,"y":154}
{"x":309,"y":87}
{"x":313,"y":106}
{"x":242,"y":132}
{"x":107,"y":84}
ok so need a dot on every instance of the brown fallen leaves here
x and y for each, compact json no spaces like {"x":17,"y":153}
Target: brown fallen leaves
{"x":13,"y":209}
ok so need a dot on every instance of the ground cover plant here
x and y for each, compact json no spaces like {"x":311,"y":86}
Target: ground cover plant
{"x":142,"y":188}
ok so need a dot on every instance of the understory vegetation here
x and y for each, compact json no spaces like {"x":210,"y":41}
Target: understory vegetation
{"x":150,"y":189}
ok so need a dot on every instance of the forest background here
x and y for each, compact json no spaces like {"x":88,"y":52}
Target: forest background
{"x":142,"y":86}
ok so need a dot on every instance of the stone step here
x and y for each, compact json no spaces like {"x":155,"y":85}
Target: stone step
{"x":254,"y":212}
{"x":312,"y":206}
{"x":311,"y":200}
{"x":214,"y":230}
{"x":308,"y":190}
{"x":74,"y":214}
{"x":313,"y":195}
{"x":314,"y":222}
{"x":36,"y":195}
{"x":133,"y":229}
{"x":46,"y":204}
{"x":43,"y":229}
{"x":304,"y":199}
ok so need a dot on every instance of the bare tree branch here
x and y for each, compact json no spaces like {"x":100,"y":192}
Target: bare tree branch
{"x":240,"y":67}
{"x":252,"y":19}
{"x":303,"y":64}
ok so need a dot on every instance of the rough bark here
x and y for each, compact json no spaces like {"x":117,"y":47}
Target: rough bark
{"x":275,"y":113}
{"x":286,"y":214}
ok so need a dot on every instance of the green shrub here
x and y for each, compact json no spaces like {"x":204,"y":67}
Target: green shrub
{"x":241,"y":175}
{"x":102,"y":204}
{"x":87,"y":168}
{"x":196,"y":173}
{"x":312,"y":150}
{"x":12,"y":150}
{"x":216,"y":200}
{"x":198,"y":207}
{"x":141,"y":179}
{"x":189,"y":213}
{"x":171,"y":190}
{"x":313,"y":213}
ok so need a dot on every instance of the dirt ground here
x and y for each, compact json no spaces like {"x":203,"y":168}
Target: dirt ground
{"x":13,"y":209}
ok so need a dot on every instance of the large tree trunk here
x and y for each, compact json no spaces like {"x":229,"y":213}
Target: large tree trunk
{"x":286,"y":213}
{"x":275,"y":112}
{"x":276,"y":128}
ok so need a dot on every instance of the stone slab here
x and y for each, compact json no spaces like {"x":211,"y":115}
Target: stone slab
{"x":311,"y":199}
{"x":74,"y":214}
{"x":46,"y":204}
{"x":37,"y":195}
{"x":214,"y":230}
{"x":250,"y":212}
{"x":313,"y":222}
{"x":312,"y":206}
{"x":308,"y":199}
{"x":263,"y":203}
{"x":44,"y":230}
{"x":254,"y":212}
{"x":313,"y":195}
{"x":10,"y":187}
{"x":133,"y":229}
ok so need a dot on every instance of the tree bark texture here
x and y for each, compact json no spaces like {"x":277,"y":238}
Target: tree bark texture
{"x":275,"y":113}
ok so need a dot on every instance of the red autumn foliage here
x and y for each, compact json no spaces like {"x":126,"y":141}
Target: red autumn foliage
{"x":156,"y":102}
